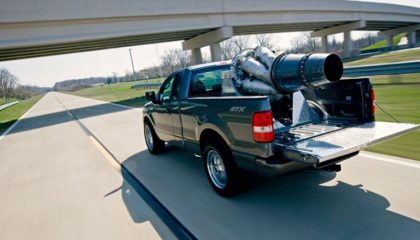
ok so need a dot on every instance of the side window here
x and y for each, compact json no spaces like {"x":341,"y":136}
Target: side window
{"x":170,"y":88}
{"x":207,"y":83}
{"x":166,"y":90}
{"x":175,"y":88}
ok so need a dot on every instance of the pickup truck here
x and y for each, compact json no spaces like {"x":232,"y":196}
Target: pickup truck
{"x":198,"y":109}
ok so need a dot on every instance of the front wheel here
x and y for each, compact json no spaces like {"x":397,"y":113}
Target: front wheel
{"x":220,"y":169}
{"x":153,"y":143}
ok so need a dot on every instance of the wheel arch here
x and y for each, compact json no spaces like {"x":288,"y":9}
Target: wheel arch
{"x":210,"y":134}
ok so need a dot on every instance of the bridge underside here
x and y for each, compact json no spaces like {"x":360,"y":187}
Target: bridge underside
{"x":48,"y":27}
{"x":91,"y":45}
{"x":38,"y":50}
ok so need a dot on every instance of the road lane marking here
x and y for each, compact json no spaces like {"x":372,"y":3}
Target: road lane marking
{"x":106,"y":154}
{"x":390,"y":160}
{"x":101,"y":148}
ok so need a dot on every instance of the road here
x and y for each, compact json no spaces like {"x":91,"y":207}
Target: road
{"x":56,"y":182}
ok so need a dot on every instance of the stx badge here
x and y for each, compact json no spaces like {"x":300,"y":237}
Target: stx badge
{"x":237,"y":109}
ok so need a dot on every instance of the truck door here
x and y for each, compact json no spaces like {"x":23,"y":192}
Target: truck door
{"x":162,"y":110}
{"x":174,"y":110}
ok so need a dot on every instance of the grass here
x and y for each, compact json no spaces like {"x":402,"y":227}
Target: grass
{"x":120,"y":93}
{"x":403,"y":103}
{"x":395,"y":40}
{"x":9,"y":115}
{"x":7,"y":100}
{"x":389,"y":57}
{"x":399,"y":95}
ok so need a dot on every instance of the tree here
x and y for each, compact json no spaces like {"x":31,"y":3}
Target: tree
{"x":304,"y":43}
{"x":8,"y":82}
{"x":264,"y":40}
{"x":234,"y":45}
{"x":175,"y":59}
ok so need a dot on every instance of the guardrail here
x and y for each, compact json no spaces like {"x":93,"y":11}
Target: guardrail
{"x":4,"y":106}
{"x":389,"y":49}
{"x":383,"y":69}
{"x":146,"y":85}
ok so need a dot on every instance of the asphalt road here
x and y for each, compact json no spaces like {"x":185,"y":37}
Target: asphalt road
{"x":57,"y":183}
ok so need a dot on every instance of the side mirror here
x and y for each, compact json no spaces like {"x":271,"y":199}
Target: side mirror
{"x":151,"y":96}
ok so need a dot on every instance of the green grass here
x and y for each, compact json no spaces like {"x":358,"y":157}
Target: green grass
{"x":395,"y":40}
{"x":389,"y":57}
{"x":399,"y":95}
{"x":120,"y":93}
{"x":7,"y":100}
{"x":9,"y":115}
{"x":402,"y":102}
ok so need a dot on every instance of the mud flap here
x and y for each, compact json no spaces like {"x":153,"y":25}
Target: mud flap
{"x":339,"y":142}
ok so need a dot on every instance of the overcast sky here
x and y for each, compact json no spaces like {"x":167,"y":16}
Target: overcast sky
{"x":45,"y":71}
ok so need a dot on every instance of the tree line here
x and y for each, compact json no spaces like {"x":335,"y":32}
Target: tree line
{"x":10,"y":87}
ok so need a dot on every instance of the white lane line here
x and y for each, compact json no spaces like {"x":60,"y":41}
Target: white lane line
{"x":19,"y":119}
{"x":390,"y":160}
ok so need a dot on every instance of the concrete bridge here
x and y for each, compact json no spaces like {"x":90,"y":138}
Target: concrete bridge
{"x":35,"y":28}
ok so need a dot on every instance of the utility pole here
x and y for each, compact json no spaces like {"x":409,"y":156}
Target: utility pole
{"x":132,"y":64}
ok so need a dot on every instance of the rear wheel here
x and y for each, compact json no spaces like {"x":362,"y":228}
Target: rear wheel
{"x":220,"y":169}
{"x":153,"y":143}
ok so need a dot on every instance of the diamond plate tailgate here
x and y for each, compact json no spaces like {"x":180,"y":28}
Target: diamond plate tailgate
{"x":335,"y":144}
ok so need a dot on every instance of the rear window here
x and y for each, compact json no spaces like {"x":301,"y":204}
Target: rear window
{"x":207,"y":82}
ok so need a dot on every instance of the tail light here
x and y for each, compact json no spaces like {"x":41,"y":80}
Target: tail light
{"x":372,"y":95}
{"x":262,"y":127}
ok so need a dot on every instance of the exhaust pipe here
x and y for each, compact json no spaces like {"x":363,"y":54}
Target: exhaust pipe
{"x":293,"y":72}
{"x":286,"y":73}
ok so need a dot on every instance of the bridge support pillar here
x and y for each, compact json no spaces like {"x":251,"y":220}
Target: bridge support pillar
{"x":388,"y":40}
{"x":196,"y":57}
{"x":212,"y":38}
{"x":324,"y":44}
{"x":346,"y":29}
{"x":411,"y":36}
{"x":216,"y":52}
{"x":410,"y":30}
{"x":347,"y":44}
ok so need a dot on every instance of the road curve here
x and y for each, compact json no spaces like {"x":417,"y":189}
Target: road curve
{"x":48,"y":161}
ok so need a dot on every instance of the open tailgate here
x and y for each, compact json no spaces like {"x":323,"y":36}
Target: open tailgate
{"x":318,"y":143}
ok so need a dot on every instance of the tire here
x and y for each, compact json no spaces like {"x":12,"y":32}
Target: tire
{"x":153,"y":143}
{"x":226,"y":183}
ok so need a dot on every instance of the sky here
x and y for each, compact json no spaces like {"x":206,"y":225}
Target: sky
{"x":45,"y":71}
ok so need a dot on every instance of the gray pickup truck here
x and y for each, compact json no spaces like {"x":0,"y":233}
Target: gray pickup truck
{"x":198,"y":108}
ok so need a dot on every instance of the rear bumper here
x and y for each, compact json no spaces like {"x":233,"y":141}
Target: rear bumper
{"x":270,"y":167}
{"x":265,"y":168}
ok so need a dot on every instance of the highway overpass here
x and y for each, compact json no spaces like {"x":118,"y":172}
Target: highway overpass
{"x":35,"y":28}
